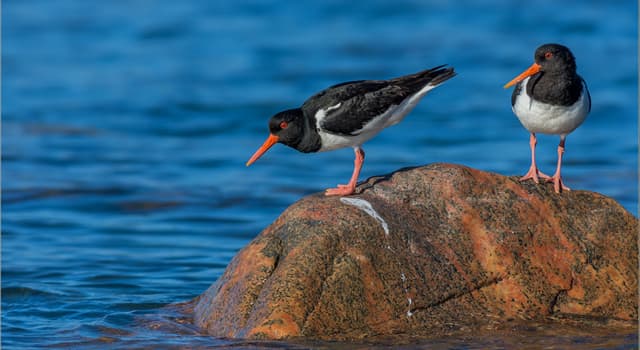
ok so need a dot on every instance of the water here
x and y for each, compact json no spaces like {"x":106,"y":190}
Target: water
{"x":126,"y":126}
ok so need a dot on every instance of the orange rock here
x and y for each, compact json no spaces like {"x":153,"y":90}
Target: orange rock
{"x":426,"y":250}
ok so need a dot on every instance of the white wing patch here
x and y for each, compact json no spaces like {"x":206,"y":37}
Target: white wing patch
{"x":322,"y":113}
{"x":336,"y":106}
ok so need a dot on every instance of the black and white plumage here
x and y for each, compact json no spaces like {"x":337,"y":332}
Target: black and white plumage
{"x":550,"y":98}
{"x":349,"y":114}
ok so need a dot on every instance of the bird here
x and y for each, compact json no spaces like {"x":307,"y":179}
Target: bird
{"x":349,"y":114}
{"x":550,"y":98}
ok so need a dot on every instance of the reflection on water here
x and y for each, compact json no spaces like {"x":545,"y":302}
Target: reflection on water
{"x":125,"y":129}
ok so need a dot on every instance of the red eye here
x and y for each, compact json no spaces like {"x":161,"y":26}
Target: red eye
{"x":283,"y":125}
{"x":548,"y":55}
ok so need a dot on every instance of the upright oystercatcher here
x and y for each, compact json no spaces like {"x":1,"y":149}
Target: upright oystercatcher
{"x":550,"y":98}
{"x":349,"y":114}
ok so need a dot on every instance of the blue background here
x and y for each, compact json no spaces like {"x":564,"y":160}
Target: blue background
{"x":126,"y":126}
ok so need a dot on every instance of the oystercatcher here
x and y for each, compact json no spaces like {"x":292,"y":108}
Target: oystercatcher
{"x":349,"y":114}
{"x":550,"y":98}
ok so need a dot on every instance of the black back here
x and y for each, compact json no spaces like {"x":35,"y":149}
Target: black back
{"x":362,"y":100}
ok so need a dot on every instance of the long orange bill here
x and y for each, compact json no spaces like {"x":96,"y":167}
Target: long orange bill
{"x":535,"y":68}
{"x":271,"y":140}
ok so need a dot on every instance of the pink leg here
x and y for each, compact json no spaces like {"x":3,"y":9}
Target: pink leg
{"x":533,"y":172}
{"x":345,"y":190}
{"x":558,"y":186}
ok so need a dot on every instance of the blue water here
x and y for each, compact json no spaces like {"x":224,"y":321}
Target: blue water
{"x":126,"y":125}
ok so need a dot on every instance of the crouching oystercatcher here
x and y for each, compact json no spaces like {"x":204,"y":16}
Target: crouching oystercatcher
{"x":349,"y":114}
{"x":550,"y":98}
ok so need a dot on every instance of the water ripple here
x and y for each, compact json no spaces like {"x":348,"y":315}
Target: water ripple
{"x":125,"y":129}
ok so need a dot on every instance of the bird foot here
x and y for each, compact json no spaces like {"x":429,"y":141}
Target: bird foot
{"x":558,"y":185}
{"x":534,"y":174}
{"x":341,"y":190}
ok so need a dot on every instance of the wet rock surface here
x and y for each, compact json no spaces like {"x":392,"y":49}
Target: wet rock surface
{"x":428,"y":251}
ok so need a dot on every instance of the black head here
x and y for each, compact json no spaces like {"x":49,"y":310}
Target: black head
{"x":285,"y":127}
{"x":552,"y":59}
{"x":555,"y":58}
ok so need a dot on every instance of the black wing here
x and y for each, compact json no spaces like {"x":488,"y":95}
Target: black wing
{"x":361,"y":101}
{"x":340,"y":93}
{"x":355,"y":113}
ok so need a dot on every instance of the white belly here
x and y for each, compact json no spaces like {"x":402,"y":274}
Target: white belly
{"x":538,"y":117}
{"x":333,"y":141}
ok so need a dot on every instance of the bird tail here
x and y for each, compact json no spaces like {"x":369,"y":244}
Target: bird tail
{"x":433,"y":77}
{"x":441,"y":75}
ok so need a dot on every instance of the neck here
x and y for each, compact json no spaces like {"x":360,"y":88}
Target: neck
{"x":310,"y":140}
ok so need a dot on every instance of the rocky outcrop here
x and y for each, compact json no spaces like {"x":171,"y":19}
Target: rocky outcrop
{"x":425,"y":251}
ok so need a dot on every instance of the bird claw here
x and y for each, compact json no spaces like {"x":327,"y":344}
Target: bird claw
{"x":341,"y":190}
{"x":535,"y":174}
{"x":558,"y":185}
{"x":543,"y":175}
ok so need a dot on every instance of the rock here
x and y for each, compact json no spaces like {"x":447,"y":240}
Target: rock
{"x":427,"y":251}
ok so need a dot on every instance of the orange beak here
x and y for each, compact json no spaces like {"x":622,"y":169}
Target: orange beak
{"x":271,"y":140}
{"x":535,"y":68}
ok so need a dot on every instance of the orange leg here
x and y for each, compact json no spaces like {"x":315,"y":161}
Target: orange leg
{"x":345,"y":190}
{"x":533,"y":172}
{"x":558,"y":186}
